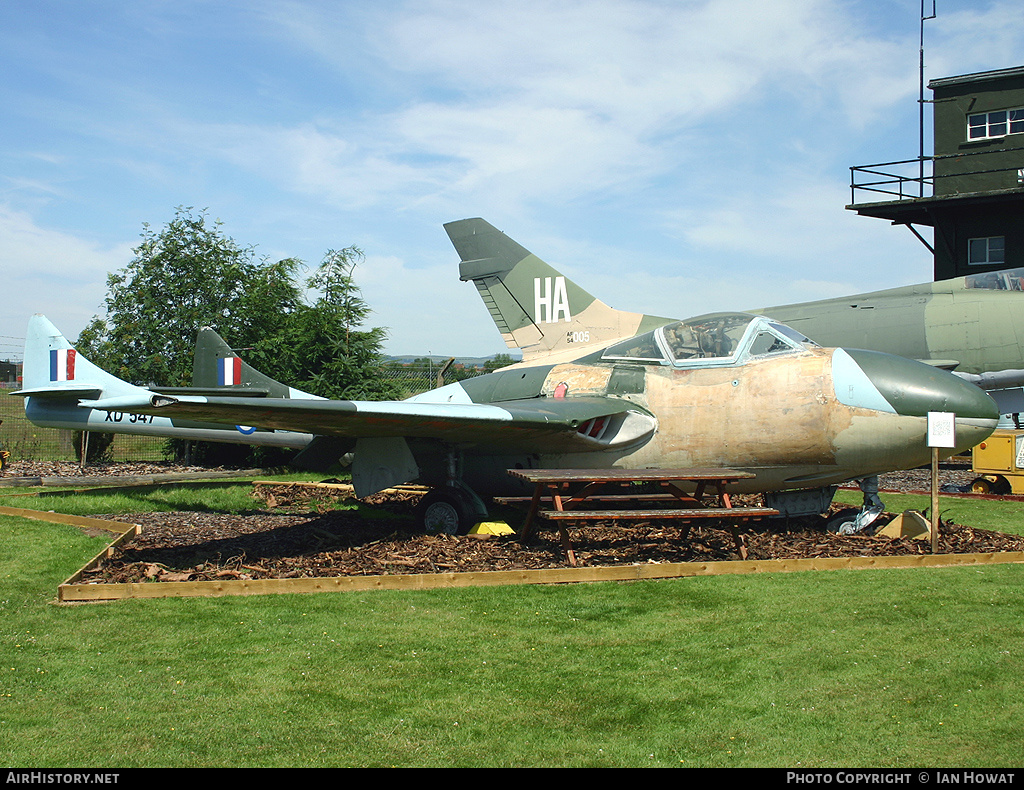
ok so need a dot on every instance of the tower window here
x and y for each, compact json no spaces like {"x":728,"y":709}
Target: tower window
{"x":995,"y":124}
{"x":987,"y":251}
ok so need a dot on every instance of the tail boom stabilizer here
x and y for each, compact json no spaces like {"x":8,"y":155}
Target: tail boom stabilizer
{"x":217,"y":366}
{"x":535,"y":307}
{"x":59,"y":382}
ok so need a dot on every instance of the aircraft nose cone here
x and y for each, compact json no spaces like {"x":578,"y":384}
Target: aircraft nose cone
{"x":873,"y":380}
{"x":913,"y":389}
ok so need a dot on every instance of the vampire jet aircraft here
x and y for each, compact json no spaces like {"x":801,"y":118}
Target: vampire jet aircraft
{"x":597,"y":388}
{"x":57,"y":378}
{"x":971,"y":325}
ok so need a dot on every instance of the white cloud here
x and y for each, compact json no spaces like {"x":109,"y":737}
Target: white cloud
{"x":576,"y":99}
{"x":427,"y":310}
{"x":978,"y":37}
{"x":707,"y":141}
{"x":481,"y":107}
{"x":52,"y":272}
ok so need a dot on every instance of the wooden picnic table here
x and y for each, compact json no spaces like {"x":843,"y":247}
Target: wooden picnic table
{"x":559,"y":495}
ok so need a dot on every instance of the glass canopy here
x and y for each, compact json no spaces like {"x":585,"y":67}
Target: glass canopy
{"x":1005,"y":280}
{"x":713,"y":339}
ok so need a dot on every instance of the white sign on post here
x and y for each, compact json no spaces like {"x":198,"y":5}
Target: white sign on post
{"x":941,"y":429}
{"x":941,"y":433}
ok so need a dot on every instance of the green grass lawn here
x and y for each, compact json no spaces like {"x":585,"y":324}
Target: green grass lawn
{"x":866,"y":668}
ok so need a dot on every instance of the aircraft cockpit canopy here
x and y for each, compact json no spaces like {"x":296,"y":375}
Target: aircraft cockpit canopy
{"x":714,"y":339}
{"x":1005,"y":280}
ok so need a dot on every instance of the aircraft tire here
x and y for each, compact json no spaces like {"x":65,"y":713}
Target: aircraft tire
{"x":842,"y":518}
{"x":443,"y":511}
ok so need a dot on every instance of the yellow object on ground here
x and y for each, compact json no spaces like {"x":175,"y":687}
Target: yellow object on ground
{"x":492,"y":528}
{"x":999,"y":463}
{"x":908,"y":524}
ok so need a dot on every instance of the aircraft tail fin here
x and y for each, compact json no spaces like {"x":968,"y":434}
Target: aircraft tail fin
{"x":53,"y":368}
{"x":217,"y":366}
{"x":63,"y":389}
{"x":535,"y":307}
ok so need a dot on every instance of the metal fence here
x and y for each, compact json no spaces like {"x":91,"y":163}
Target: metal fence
{"x":28,"y":442}
{"x":930,"y":176}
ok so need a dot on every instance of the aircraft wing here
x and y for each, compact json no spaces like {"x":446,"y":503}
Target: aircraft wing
{"x":534,"y":424}
{"x":942,"y":364}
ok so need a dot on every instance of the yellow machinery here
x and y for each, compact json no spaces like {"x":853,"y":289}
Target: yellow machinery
{"x":999,"y":463}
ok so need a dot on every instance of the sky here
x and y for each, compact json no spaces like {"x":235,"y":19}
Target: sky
{"x":672,"y":157}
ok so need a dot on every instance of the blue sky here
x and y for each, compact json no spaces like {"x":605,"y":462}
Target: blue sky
{"x":672,"y":157}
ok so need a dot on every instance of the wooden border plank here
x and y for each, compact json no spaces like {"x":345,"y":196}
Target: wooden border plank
{"x":130,"y":481}
{"x":117,"y":527}
{"x":433,"y":581}
{"x":123,"y":532}
{"x":72,"y":590}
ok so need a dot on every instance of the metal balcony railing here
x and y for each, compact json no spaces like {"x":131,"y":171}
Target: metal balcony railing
{"x":916,"y":178}
{"x":899,"y":183}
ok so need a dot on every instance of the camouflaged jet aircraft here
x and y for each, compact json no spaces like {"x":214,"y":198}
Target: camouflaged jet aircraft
{"x":971,"y":325}
{"x":597,"y":388}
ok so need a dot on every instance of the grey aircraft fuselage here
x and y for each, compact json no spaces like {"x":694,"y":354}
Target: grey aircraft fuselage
{"x":973,"y":325}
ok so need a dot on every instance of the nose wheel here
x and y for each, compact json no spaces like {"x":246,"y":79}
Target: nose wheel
{"x":852,"y":522}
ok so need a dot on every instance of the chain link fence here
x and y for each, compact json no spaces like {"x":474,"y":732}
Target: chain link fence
{"x":28,"y":442}
{"x":420,"y":376}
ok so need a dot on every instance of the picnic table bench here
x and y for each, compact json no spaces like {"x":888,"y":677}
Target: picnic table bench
{"x":559,"y":495}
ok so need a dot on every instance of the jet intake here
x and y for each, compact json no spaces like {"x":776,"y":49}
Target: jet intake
{"x":617,"y":431}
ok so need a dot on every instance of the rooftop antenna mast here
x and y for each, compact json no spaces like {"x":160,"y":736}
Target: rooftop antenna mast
{"x":920,"y":99}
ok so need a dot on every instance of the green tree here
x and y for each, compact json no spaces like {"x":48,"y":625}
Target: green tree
{"x":337,"y":358}
{"x":187,"y":276}
{"x":190,"y":275}
{"x":497,"y":362}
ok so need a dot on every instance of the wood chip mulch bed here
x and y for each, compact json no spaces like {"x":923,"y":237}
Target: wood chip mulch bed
{"x":380,"y":538}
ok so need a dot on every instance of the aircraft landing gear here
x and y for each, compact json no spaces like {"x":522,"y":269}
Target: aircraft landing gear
{"x":450,"y":510}
{"x":851,"y":521}
{"x":453,"y":508}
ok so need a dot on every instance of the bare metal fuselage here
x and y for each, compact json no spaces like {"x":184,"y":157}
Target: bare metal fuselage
{"x":778,"y":417}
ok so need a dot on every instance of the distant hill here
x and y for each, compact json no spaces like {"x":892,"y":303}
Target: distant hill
{"x":469,"y":362}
